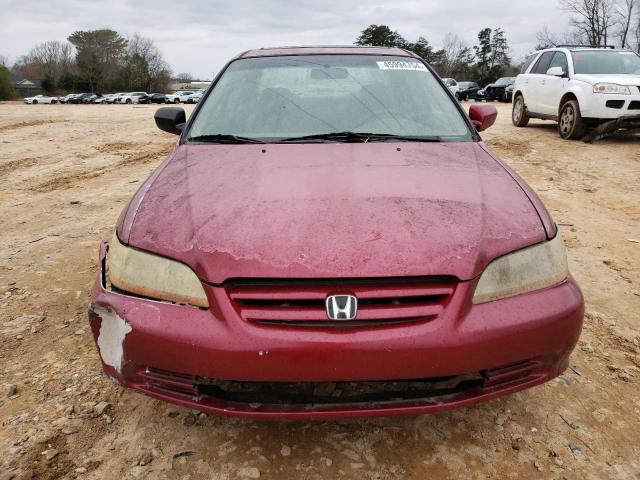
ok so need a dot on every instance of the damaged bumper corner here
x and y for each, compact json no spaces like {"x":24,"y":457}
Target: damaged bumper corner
{"x":629,"y":124}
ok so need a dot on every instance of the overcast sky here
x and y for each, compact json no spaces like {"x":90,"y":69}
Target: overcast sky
{"x":199,"y":36}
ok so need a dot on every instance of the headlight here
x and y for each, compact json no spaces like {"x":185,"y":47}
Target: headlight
{"x":152,"y":276}
{"x":529,"y":269}
{"x":611,"y":88}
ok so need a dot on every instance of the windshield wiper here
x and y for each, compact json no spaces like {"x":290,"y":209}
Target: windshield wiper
{"x":222,"y":138}
{"x":360,"y":137}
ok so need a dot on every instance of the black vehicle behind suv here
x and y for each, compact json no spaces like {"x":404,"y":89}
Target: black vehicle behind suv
{"x":154,"y":98}
{"x":80,"y":98}
{"x":468,"y":90}
{"x":495,"y":91}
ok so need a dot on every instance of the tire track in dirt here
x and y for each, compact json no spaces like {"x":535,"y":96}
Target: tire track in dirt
{"x":30,"y":123}
{"x":141,"y":154}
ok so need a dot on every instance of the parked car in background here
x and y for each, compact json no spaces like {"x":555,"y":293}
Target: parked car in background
{"x":133,"y":97}
{"x":103,"y":98}
{"x":508,"y":94}
{"x":452,"y":84}
{"x":66,"y":98}
{"x":115,"y":97}
{"x":40,"y":99}
{"x":112,"y":98}
{"x":495,"y":91}
{"x":79,"y":98}
{"x":195,"y":97}
{"x":442,"y":288}
{"x":91,"y":98}
{"x":155,"y":98}
{"x":580,"y":88}
{"x":467,"y":90}
{"x":179,"y":96}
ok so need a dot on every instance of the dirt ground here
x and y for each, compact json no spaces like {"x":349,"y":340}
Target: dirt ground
{"x":66,"y":171}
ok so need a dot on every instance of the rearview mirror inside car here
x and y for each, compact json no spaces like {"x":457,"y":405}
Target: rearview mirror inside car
{"x":556,"y":72}
{"x":482,"y":116}
{"x":170,"y":119}
{"x":333,"y":73}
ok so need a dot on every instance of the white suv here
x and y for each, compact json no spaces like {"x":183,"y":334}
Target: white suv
{"x":180,"y":96}
{"x":579,"y":87}
{"x":133,"y":97}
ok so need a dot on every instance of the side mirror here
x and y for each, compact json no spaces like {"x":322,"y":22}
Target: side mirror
{"x":556,"y":72}
{"x":170,"y":119}
{"x":482,"y":116}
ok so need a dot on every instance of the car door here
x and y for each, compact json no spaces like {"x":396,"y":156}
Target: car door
{"x":536,"y":81}
{"x":553,"y":86}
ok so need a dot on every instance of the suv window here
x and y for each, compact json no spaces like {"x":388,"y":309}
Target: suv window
{"x":542,"y":65}
{"x":606,"y":62}
{"x":528,"y":61}
{"x":560,"y":60}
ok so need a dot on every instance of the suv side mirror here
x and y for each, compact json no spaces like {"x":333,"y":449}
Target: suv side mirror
{"x":556,"y":72}
{"x":482,"y":116}
{"x":170,"y":119}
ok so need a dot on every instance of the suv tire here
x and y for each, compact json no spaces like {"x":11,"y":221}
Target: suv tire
{"x":519,"y":115}
{"x":570,"y":123}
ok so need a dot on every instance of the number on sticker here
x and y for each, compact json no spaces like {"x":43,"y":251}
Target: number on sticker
{"x":398,"y":65}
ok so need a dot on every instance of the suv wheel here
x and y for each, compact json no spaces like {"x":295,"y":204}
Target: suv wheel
{"x":519,"y":115}
{"x":176,"y":100}
{"x":128,"y":100}
{"x":570,"y":123}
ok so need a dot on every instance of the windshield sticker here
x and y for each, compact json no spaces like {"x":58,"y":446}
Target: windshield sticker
{"x":396,"y":65}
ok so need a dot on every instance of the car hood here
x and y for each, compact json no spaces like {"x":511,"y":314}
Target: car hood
{"x":332,"y":210}
{"x":628,"y":80}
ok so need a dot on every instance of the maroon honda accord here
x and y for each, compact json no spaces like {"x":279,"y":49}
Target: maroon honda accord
{"x":329,"y":238}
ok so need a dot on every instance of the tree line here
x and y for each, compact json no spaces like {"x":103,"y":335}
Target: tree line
{"x":105,"y":61}
{"x":597,"y":23}
{"x":96,"y":61}
{"x":483,"y":63}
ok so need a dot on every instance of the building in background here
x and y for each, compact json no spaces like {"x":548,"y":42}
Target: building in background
{"x":25,"y":87}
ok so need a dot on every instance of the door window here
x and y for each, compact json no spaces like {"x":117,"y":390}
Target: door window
{"x":542,"y":65}
{"x":560,"y":60}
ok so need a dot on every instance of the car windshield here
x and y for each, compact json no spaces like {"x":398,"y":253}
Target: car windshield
{"x":606,"y":62}
{"x":465,"y":84}
{"x":295,"y":96}
{"x":504,"y":81}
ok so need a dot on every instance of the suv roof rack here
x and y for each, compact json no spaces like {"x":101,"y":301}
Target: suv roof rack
{"x":612,"y":47}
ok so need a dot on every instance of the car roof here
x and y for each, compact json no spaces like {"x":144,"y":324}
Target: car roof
{"x":325,"y":50}
{"x":582,"y":49}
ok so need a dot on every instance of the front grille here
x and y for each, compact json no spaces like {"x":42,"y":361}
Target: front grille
{"x":302,"y":303}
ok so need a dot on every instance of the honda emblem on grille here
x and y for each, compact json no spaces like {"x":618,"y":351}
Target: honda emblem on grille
{"x":342,"y":307}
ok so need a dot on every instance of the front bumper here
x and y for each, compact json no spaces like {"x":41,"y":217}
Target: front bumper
{"x":606,"y":106}
{"x":494,"y":94}
{"x":175,"y":353}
